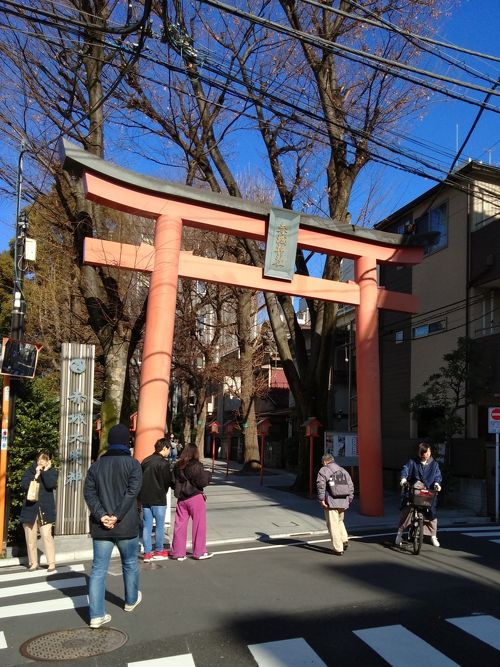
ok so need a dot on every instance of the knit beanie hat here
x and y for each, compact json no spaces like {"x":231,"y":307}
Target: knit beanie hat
{"x":119,"y":435}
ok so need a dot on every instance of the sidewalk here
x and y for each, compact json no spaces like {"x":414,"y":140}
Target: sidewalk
{"x":240,"y":509}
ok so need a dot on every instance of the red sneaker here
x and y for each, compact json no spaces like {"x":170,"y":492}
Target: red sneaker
{"x":160,"y":555}
{"x":148,"y":558}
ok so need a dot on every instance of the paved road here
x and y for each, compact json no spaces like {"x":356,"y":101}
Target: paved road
{"x":284,"y":604}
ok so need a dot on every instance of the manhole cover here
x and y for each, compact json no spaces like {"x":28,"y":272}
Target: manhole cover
{"x":72,"y":644}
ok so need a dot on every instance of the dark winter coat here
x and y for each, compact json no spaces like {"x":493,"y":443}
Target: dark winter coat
{"x":191,"y":480}
{"x":156,"y":480}
{"x":322,"y":487}
{"x":46,"y":502}
{"x":111,"y":488}
{"x":429,"y":474}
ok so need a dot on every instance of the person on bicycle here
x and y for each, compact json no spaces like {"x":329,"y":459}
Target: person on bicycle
{"x":423,"y":468}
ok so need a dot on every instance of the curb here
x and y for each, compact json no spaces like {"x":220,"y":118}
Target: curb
{"x":389,"y":525}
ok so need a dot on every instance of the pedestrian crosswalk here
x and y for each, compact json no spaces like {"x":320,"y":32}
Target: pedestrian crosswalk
{"x":37,"y":582}
{"x":491,"y":533}
{"x":396,"y":644}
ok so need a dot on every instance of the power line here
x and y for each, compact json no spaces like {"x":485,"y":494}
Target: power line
{"x":411,"y":37}
{"x":306,"y":112}
{"x":127,"y":29}
{"x":423,"y":38}
{"x":383,"y":64}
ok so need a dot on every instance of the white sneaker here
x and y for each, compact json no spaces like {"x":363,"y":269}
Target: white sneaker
{"x":399,"y":539}
{"x":100,"y":620}
{"x":131,"y":607}
{"x":203,"y":556}
{"x":435,"y":541}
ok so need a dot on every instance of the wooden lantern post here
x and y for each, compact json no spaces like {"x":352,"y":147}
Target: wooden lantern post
{"x":214,"y":430}
{"x":311,"y":426}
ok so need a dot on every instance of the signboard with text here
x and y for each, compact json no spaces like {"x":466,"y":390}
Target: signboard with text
{"x":343,"y":446}
{"x":75,"y":445}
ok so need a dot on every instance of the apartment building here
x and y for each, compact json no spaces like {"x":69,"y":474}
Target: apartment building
{"x":458,"y":283}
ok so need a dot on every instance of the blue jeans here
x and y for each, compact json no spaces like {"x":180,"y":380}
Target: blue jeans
{"x":129,"y":551}
{"x":148,"y":512}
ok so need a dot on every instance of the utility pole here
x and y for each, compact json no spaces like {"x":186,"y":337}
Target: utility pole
{"x":16,"y":332}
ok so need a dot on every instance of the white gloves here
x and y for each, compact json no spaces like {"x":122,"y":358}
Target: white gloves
{"x":437,"y":487}
{"x":402,"y":482}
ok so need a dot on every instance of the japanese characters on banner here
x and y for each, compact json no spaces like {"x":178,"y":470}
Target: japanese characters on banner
{"x":77,"y":389}
{"x":343,"y":446}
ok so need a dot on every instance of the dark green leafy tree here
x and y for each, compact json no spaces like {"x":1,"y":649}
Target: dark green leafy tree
{"x":37,"y":427}
{"x":447,"y":393}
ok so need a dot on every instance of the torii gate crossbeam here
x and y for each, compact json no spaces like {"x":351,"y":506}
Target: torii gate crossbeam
{"x":174,"y":206}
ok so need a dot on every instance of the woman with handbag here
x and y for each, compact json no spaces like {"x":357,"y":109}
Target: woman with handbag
{"x":39,"y":509}
{"x":190,"y":480}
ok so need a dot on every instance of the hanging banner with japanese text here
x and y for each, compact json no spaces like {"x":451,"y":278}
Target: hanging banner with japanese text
{"x":75,"y":446}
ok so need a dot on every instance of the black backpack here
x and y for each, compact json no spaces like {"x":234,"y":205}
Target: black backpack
{"x":338,"y":485}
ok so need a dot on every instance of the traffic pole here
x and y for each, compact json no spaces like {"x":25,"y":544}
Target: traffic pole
{"x":3,"y":461}
{"x":497,"y":463}
{"x":16,"y":332}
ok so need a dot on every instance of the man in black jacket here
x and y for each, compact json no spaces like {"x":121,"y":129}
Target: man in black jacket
{"x":111,"y":488}
{"x":156,"y":481}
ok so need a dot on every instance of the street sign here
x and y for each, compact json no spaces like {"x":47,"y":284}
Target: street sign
{"x":493,"y":420}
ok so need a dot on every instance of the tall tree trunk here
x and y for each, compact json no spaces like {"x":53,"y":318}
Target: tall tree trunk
{"x":245,"y":327}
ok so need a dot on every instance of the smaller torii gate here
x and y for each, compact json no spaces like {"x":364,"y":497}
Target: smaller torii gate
{"x":172,"y":206}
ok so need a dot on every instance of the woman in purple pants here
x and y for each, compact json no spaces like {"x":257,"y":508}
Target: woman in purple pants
{"x":190,"y":480}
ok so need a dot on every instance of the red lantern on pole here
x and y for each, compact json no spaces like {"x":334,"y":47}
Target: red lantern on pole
{"x":311,"y":425}
{"x":263,"y":427}
{"x":214,"y":430}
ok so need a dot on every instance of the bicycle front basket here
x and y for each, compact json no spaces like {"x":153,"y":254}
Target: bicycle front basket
{"x":422,"y":497}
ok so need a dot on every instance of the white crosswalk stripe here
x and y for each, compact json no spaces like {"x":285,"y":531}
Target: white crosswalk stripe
{"x":43,"y":606}
{"x":287,"y":653}
{"x":401,"y":648}
{"x":37,"y":574}
{"x":43,"y":586}
{"x":185,"y":660}
{"x":483,"y":627}
{"x":3,"y":643}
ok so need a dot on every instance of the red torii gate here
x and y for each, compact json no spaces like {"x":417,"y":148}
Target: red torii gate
{"x":172,"y":206}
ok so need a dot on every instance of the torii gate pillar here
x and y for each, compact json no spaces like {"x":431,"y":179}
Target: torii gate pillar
{"x":368,"y":389}
{"x":159,"y":336}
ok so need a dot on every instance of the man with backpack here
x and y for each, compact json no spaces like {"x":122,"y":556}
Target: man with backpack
{"x":335,"y":493}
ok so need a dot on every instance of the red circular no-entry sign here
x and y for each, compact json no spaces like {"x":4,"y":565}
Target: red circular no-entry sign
{"x":495,"y":414}
{"x":494,"y":420}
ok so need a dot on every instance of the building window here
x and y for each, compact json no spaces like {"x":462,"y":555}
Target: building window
{"x":399,"y":336}
{"x":428,"y":329}
{"x":485,"y":205}
{"x":435,"y":220}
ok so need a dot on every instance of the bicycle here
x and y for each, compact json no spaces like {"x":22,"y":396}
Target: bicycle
{"x":420,"y":500}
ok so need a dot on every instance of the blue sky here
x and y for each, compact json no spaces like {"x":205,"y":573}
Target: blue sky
{"x":475,"y":26}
